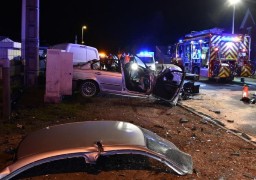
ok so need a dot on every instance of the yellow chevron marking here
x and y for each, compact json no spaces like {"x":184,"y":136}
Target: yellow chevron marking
{"x":246,"y":71}
{"x":224,"y":72}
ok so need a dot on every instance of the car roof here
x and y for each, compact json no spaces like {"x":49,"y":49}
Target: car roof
{"x":90,"y":139}
{"x":80,"y":135}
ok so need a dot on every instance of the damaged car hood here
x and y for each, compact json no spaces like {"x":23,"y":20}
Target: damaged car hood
{"x":91,"y":139}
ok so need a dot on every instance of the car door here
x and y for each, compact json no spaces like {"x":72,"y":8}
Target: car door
{"x":165,"y":85}
{"x":168,"y":83}
{"x":109,"y":81}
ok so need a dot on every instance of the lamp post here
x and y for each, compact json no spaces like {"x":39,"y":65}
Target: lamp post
{"x":83,"y":27}
{"x":233,"y":2}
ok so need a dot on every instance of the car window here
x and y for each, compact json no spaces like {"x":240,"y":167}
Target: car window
{"x":96,"y":65}
{"x":139,"y":61}
{"x":110,"y":64}
{"x":75,"y":164}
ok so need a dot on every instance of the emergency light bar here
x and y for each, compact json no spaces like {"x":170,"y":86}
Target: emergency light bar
{"x":232,"y":39}
{"x":208,"y":31}
{"x":146,"y":54}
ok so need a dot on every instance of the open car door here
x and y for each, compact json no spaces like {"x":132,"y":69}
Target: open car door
{"x":168,"y":84}
{"x":165,"y":85}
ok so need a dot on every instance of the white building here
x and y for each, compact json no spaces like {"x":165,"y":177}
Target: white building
{"x":9,"y":49}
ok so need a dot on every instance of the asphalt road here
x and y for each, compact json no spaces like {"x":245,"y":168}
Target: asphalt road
{"x":222,"y":101}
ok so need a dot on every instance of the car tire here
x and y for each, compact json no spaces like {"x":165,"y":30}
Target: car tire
{"x":89,"y":89}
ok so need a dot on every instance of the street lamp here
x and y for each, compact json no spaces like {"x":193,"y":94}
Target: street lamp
{"x":233,"y":2}
{"x":83,"y":27}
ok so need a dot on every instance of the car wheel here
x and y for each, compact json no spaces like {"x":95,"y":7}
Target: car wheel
{"x":89,"y":89}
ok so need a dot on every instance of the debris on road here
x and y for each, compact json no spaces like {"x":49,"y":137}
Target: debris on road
{"x":183,"y":120}
{"x":215,"y":111}
{"x":230,"y":121}
{"x":189,"y":89}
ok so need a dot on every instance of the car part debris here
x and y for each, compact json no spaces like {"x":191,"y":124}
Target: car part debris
{"x":92,"y":139}
{"x":189,"y":89}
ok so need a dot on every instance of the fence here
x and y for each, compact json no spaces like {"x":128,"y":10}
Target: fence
{"x":11,"y":85}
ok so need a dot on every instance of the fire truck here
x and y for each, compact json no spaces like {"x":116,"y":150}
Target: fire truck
{"x":214,"y":54}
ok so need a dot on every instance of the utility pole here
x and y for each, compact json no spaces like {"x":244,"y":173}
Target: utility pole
{"x":30,"y":41}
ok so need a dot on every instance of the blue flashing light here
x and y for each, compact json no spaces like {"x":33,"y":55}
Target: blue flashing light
{"x":180,"y":41}
{"x":230,"y":39}
{"x":146,"y":53}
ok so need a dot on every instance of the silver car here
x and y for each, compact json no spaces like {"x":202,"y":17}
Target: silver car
{"x":92,"y":139}
{"x":130,"y":79}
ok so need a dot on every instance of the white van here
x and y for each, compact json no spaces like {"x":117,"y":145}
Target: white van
{"x":81,"y":53}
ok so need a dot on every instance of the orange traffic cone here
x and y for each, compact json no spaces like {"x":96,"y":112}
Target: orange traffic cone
{"x":245,"y":94}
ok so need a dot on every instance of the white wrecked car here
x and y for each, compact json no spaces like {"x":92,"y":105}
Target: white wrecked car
{"x":131,"y":79}
{"x":92,"y":139}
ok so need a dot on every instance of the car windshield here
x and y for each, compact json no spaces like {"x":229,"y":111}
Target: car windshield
{"x":138,"y":61}
{"x":168,"y":149}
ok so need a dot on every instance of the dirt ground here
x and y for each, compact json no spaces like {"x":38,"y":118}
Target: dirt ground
{"x":216,"y":152}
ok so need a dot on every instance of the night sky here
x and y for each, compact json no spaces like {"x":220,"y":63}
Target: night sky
{"x":113,"y":25}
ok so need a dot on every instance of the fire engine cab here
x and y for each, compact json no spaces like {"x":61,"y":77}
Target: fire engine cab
{"x":214,"y":54}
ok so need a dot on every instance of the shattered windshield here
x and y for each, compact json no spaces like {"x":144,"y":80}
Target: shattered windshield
{"x":139,"y":61}
{"x":169,"y":150}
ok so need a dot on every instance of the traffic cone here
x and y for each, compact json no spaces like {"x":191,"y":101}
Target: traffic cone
{"x":245,"y":94}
